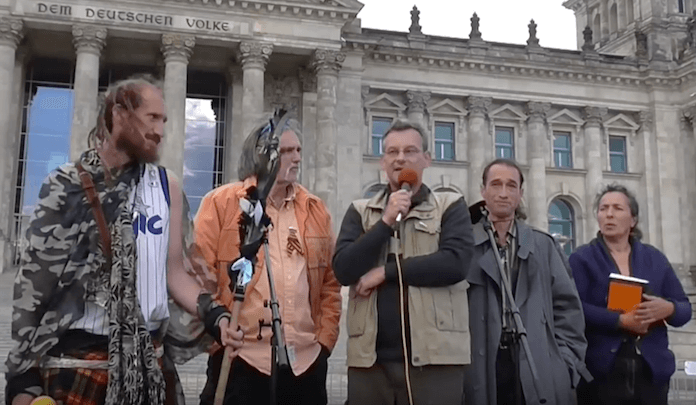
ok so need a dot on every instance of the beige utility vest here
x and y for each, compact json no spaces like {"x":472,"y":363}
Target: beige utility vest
{"x":438,"y":316}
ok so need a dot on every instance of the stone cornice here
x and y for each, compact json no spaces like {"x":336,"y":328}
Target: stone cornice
{"x":89,"y":38}
{"x":254,"y":54}
{"x":417,"y":101}
{"x":323,"y":11}
{"x":327,"y":61}
{"x":11,"y":31}
{"x":177,"y":47}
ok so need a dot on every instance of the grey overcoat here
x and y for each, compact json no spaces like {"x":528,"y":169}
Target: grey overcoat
{"x":551,"y":312}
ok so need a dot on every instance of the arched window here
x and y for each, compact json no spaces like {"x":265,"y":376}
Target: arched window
{"x":629,"y":11}
{"x":562,"y":224}
{"x":680,"y":6}
{"x":613,"y":19}
{"x":374,"y":189}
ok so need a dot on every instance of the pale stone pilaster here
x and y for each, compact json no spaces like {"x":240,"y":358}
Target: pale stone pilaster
{"x":538,"y":146}
{"x":478,"y":143}
{"x":417,"y":102}
{"x":651,"y":183}
{"x":308,"y":80}
{"x":11,"y":33}
{"x":253,"y":56}
{"x":326,"y":64}
{"x":234,"y":138}
{"x":594,"y":116}
{"x":177,"y":50}
{"x":89,"y":40}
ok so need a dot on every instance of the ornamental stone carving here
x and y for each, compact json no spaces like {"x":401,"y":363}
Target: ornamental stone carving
{"x":594,"y":116}
{"x":645,"y":118}
{"x":417,"y":101}
{"x":254,"y":54}
{"x":177,"y":47}
{"x":308,"y":80}
{"x":587,"y":45}
{"x":327,"y":61}
{"x":536,"y":111}
{"x":478,"y":106}
{"x":532,"y":41}
{"x":89,"y":38}
{"x":475,"y":34}
{"x":415,"y":27}
{"x":11,"y":31}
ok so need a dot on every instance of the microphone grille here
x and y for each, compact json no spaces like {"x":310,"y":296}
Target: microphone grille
{"x":408,"y":176}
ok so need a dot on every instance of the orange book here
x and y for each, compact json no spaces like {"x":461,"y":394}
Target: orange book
{"x":625,"y":293}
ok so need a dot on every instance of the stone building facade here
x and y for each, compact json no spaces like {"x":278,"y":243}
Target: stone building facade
{"x":622,"y":108}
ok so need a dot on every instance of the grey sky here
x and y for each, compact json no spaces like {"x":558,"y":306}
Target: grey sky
{"x":501,"y":20}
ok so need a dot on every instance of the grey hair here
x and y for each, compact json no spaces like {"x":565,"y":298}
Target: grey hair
{"x":403,"y":125}
{"x":632,"y":204}
{"x":249,"y":160}
{"x":125,"y":93}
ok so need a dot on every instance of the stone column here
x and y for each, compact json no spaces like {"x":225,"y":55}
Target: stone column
{"x":11,"y":33}
{"x":326,"y":64}
{"x":479,"y":142}
{"x":308,"y":80}
{"x":253,"y":56}
{"x":417,"y":102}
{"x":89,"y":40}
{"x":177,"y":50}
{"x":538,"y":149}
{"x":594,"y":116}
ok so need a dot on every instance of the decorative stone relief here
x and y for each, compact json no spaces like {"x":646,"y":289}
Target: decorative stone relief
{"x":475,"y":33}
{"x":415,"y":27}
{"x":478,"y":106}
{"x":327,"y":61}
{"x":594,"y":116}
{"x":11,"y":31}
{"x":417,"y":101}
{"x":308,"y":79}
{"x":533,"y":41}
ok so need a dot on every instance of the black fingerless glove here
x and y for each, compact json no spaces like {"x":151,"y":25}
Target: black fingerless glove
{"x":211,"y":313}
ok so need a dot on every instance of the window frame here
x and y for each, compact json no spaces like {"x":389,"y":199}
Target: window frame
{"x":371,"y":151}
{"x":513,"y":131}
{"x":611,"y":153}
{"x":454,"y":126}
{"x":560,"y":221}
{"x":554,"y":150}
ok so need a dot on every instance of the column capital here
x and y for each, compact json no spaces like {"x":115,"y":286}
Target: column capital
{"x":89,"y":38}
{"x":479,"y":105}
{"x":254,"y":54}
{"x":417,"y":101}
{"x":176,"y":47}
{"x":645,"y":118}
{"x":11,"y":31}
{"x":594,"y":116}
{"x":536,"y":111}
{"x":688,"y":115}
{"x":327,"y":61}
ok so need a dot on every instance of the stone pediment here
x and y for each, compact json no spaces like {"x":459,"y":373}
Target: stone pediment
{"x":565,"y":116}
{"x":621,"y":121}
{"x":446,"y":106}
{"x":385,"y":102}
{"x":508,"y":112}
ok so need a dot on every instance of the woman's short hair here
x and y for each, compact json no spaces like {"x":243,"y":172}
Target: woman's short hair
{"x":249,"y":159}
{"x":632,"y":204}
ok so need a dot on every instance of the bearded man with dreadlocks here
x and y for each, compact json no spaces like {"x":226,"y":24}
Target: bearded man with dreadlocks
{"x":109,"y":278}
{"x":300,"y":246}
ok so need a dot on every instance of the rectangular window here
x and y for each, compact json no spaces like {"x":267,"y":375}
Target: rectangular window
{"x":379,"y":127}
{"x":444,"y":141}
{"x":504,"y":142}
{"x":562,"y":155}
{"x":617,"y":154}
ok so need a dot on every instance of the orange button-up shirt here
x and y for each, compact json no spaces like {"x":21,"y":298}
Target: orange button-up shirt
{"x":289,"y":268}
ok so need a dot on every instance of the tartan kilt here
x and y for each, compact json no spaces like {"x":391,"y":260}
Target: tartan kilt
{"x":77,"y":386}
{"x":86,"y":386}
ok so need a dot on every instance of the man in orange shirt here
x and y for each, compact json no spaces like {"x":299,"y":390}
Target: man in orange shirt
{"x":300,"y":246}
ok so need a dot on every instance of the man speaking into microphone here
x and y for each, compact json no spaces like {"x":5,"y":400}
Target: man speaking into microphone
{"x":405,"y":254}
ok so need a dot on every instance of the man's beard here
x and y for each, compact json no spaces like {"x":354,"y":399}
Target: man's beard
{"x":131,"y":141}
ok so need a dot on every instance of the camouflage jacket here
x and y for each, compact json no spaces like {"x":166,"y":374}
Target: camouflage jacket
{"x":63,"y":264}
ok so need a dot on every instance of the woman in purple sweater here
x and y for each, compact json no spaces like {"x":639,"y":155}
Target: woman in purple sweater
{"x":627,"y":353}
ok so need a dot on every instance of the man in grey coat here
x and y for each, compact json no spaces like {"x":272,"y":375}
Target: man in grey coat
{"x":545,"y":294}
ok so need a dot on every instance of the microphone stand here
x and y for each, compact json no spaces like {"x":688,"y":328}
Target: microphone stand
{"x":520,"y":333}
{"x":279,"y":353}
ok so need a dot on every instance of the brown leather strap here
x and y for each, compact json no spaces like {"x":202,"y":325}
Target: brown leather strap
{"x":93,"y":199}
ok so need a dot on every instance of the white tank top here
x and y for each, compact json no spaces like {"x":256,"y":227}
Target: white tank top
{"x":150,"y":206}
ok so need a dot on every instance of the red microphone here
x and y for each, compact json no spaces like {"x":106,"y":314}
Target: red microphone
{"x":407,"y":179}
